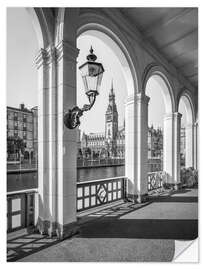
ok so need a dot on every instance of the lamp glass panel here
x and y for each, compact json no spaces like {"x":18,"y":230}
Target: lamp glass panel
{"x":92,"y":75}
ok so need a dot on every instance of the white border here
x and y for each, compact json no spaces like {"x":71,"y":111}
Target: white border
{"x":77,"y":3}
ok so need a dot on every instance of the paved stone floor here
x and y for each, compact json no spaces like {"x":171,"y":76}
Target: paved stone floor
{"x":124,"y":232}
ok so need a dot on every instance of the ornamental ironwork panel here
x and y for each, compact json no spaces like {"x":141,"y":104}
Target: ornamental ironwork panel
{"x":95,"y":193}
{"x":155,"y":181}
{"x":20,"y":210}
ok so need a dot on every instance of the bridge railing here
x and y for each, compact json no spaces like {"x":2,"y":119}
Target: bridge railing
{"x":155,"y":181}
{"x":99,"y":192}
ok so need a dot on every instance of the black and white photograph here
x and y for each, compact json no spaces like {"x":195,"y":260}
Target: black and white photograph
{"x":102,"y":133}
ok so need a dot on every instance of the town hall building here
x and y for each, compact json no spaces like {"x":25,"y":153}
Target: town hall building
{"x":111,"y":142}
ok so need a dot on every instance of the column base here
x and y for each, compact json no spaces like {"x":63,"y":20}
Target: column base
{"x":137,"y":198}
{"x":177,"y":186}
{"x":54,"y":229}
{"x":68,"y":230}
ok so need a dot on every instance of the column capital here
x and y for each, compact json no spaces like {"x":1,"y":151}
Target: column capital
{"x":173,"y":115}
{"x":130,"y":99}
{"x":45,"y":56}
{"x":196,"y":123}
{"x":41,"y":58}
{"x":177,"y":114}
{"x":66,"y":50}
{"x":141,"y":97}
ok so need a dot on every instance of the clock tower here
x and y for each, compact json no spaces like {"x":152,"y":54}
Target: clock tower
{"x":111,"y":123}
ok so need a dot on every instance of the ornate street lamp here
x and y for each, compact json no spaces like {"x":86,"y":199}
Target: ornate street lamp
{"x":92,"y":73}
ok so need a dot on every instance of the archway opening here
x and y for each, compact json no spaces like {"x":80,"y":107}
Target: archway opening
{"x":160,"y":105}
{"x":22,"y":85}
{"x":101,"y":136}
{"x":22,"y":102}
{"x":187,"y":132}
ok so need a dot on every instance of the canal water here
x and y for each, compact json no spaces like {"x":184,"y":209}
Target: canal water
{"x":27,"y":179}
{"x":95,"y":173}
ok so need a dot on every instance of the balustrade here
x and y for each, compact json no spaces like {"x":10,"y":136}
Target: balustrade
{"x":155,"y":181}
{"x":95,"y":193}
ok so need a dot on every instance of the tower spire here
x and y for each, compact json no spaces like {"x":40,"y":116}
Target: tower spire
{"x":111,"y":90}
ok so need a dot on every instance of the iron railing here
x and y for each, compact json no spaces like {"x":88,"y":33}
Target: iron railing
{"x":155,"y":181}
{"x":20,"y":209}
{"x":90,"y":194}
{"x":98,"y":192}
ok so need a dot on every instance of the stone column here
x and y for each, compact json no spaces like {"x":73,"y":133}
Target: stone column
{"x":168,"y":142}
{"x":136,"y":146}
{"x":171,"y":151}
{"x":66,"y":139}
{"x":176,"y":157}
{"x":189,"y":145}
{"x":57,"y":145}
{"x":43,"y":210}
{"x":130,"y":145}
{"x":196,"y":145}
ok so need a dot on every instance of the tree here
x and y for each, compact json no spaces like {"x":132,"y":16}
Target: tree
{"x":15,"y":145}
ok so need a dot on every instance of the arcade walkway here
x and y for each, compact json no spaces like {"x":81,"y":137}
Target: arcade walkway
{"x":125,"y":232}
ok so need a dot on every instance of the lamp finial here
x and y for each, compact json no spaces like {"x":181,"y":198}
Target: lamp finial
{"x":91,"y":57}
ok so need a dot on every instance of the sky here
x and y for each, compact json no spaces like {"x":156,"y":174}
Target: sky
{"x":22,"y":47}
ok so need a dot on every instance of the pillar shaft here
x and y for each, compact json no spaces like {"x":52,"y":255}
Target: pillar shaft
{"x":66,"y":138}
{"x":136,"y":145}
{"x":196,"y":145}
{"x":43,"y":212}
{"x":171,"y":147}
{"x":57,"y":144}
{"x":189,"y":145}
{"x":168,"y":142}
{"x":176,"y":160}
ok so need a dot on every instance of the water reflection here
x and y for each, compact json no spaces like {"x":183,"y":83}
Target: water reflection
{"x":88,"y":174}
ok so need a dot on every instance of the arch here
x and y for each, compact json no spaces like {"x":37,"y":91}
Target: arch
{"x":43,"y":25}
{"x":186,"y":97}
{"x":165,"y":83}
{"x":111,"y":35}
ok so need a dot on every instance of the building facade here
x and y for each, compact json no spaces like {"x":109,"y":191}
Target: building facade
{"x":182,"y":146}
{"x":22,"y":123}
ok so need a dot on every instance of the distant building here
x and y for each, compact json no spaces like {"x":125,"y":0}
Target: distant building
{"x":22,"y":123}
{"x":111,"y":142}
{"x":182,"y":146}
{"x":155,"y":142}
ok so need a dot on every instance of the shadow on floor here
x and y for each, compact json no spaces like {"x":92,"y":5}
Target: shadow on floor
{"x":175,"y":199}
{"x":26,"y":244}
{"x":106,"y":223}
{"x":141,"y":228}
{"x":109,"y":225}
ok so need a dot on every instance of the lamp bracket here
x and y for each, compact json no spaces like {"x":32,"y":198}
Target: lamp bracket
{"x":71,"y":118}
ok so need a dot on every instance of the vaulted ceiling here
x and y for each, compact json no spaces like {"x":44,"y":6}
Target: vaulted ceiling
{"x":173,"y":32}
